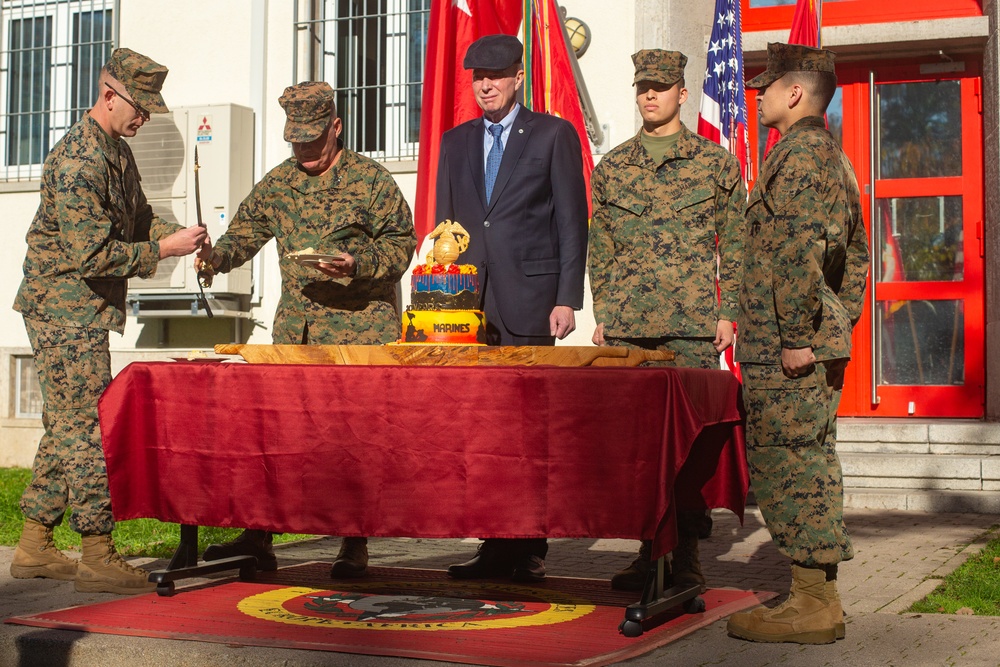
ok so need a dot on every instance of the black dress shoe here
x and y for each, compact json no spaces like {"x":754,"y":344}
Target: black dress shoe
{"x":530,"y":569}
{"x":489,"y":563}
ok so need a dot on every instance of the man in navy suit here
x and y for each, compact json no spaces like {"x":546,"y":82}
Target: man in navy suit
{"x":514,"y":180}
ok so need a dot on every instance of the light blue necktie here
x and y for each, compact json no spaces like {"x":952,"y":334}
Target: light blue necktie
{"x":493,"y":159}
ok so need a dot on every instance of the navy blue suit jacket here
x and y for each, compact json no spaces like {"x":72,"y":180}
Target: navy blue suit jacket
{"x":530,"y":242}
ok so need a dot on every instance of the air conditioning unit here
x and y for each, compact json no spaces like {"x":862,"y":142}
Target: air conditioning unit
{"x":164,"y":153}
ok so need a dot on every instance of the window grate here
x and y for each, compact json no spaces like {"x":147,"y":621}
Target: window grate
{"x":27,"y":390}
{"x":51,"y":53}
{"x":372,"y":53}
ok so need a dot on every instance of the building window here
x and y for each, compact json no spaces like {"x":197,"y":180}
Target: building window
{"x":372,"y":53}
{"x":51,"y":53}
{"x":27,"y":391}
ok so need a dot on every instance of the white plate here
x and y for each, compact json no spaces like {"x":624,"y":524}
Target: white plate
{"x":313,"y":259}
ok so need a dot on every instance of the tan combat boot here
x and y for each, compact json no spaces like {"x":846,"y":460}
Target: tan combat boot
{"x":36,"y":555}
{"x":103,"y":570}
{"x":838,"y":609}
{"x":352,"y":560}
{"x":806,"y":617}
{"x":685,"y":563}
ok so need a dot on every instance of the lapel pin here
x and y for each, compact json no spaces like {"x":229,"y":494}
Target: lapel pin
{"x":521,"y":131}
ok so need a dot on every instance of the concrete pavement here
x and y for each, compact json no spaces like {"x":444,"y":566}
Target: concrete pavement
{"x":901,"y":556}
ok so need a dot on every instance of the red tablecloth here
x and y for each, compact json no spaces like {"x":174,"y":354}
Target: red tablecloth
{"x":423,"y":451}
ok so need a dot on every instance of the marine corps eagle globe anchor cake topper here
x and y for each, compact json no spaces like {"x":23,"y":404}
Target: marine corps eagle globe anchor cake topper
{"x":444,"y":296}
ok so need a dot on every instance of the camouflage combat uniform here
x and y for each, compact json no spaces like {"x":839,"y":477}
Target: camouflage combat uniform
{"x":356,"y":208}
{"x":803,"y":285}
{"x":653,"y":246}
{"x":93,"y":230}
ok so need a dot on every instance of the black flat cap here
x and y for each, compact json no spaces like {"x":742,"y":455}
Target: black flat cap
{"x":493,"y":52}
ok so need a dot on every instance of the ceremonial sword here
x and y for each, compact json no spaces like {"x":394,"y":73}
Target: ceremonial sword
{"x":205,"y":274}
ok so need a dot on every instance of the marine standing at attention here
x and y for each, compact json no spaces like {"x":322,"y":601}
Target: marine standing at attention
{"x":335,"y":202}
{"x":802,"y":293}
{"x":514,"y":179}
{"x":660,"y":200}
{"x":92,"y":232}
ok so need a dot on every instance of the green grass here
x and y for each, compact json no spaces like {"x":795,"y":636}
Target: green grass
{"x":138,"y":537}
{"x":974,"y":585}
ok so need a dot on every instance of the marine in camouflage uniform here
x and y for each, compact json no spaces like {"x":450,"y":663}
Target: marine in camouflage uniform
{"x":653,"y":234}
{"x":335,"y":202}
{"x":653,"y":251}
{"x":93,"y":230}
{"x":355,"y":208}
{"x":802,"y":292}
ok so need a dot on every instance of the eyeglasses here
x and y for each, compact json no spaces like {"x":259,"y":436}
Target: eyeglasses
{"x":139,"y":111}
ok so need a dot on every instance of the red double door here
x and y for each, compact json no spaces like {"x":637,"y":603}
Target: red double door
{"x":914,"y":133}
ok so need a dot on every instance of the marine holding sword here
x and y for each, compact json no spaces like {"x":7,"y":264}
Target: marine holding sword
{"x":92,"y":232}
{"x":347,"y":213}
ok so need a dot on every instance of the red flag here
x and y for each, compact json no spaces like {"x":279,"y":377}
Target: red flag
{"x":447,"y":93}
{"x":892,"y":259}
{"x":552,"y":85}
{"x":805,"y":31}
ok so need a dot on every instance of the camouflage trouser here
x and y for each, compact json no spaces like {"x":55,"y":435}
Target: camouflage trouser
{"x":690,"y":352}
{"x":791,"y":437}
{"x":74,"y":367}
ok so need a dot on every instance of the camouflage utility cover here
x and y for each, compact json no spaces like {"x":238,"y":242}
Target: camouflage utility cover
{"x":806,"y":250}
{"x":658,"y":65}
{"x":308,"y":109}
{"x":785,"y":58}
{"x":143,"y":78}
{"x":93,"y":230}
{"x":652,"y":239}
{"x":355,"y":207}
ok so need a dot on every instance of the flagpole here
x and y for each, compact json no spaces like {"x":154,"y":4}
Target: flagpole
{"x":526,"y":38}
{"x":819,"y":24}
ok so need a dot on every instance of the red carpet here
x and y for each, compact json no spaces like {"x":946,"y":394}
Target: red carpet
{"x":400,"y":612}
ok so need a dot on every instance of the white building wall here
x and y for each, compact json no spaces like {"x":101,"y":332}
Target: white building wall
{"x":18,"y":209}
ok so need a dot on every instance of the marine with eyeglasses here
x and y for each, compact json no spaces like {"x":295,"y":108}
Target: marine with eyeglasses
{"x":93,"y":231}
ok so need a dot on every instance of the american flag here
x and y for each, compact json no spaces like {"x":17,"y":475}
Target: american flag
{"x":722,"y":117}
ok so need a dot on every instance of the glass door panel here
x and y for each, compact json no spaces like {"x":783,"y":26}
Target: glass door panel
{"x":920,"y":129}
{"x":922,"y":239}
{"x":922,"y":342}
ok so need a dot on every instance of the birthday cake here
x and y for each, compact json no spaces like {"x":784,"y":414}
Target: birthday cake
{"x":444,"y":297}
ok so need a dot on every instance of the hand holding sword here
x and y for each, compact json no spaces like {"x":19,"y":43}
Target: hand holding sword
{"x":204,"y":269}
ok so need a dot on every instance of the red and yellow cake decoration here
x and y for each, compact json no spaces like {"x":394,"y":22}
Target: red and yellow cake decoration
{"x":444,"y":296}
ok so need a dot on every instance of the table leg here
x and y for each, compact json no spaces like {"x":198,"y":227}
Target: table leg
{"x":655,"y":601}
{"x":184,"y":564}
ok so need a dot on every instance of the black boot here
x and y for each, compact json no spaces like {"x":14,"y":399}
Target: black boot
{"x":251,"y":542}
{"x":685,"y":563}
{"x":633,"y":577}
{"x":492,"y":560}
{"x":352,"y":560}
